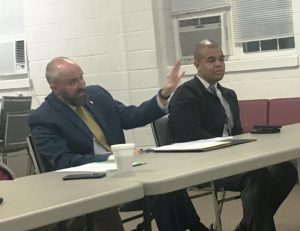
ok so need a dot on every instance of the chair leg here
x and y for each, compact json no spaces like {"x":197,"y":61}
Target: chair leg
{"x":216,"y":206}
{"x":221,"y":200}
{"x":4,"y":158}
{"x":147,"y":215}
{"x":62,"y":226}
{"x":30,"y":166}
{"x":298,"y":169}
{"x":90,"y":222}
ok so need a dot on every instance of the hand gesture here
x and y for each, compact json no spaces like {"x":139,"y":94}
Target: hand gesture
{"x":172,"y":80}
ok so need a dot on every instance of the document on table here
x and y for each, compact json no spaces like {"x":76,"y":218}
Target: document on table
{"x":92,"y":167}
{"x":109,"y":165}
{"x":201,"y":145}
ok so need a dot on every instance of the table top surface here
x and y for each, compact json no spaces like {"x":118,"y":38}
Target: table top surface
{"x":166,"y":172}
{"x":42,"y":199}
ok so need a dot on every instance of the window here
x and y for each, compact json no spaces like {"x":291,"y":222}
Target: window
{"x":268,"y":45}
{"x":12,"y":33}
{"x":195,"y":20}
{"x":191,"y":29}
{"x":258,"y":20}
{"x":11,"y":20}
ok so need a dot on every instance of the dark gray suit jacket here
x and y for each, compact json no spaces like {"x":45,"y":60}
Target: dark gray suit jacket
{"x":195,"y":113}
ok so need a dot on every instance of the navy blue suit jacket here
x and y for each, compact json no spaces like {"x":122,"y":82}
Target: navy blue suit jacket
{"x":64,"y":140}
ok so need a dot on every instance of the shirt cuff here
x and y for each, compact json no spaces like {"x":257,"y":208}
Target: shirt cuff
{"x":162,"y":103}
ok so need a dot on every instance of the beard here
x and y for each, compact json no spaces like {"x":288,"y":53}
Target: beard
{"x":76,"y":100}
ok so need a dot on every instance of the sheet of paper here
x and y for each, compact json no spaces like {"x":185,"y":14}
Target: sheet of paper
{"x":98,"y":167}
{"x":194,"y":145}
{"x":92,"y":167}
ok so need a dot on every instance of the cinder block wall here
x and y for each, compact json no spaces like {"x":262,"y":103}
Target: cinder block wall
{"x":114,"y":42}
{"x":128,"y":46}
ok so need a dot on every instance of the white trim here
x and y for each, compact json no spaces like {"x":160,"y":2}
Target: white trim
{"x":249,"y":65}
{"x":225,"y":25}
{"x":14,"y":84}
{"x":190,"y":6}
{"x":262,"y":63}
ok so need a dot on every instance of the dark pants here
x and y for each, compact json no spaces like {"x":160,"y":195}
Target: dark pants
{"x":262,"y":192}
{"x":174,"y":211}
{"x":104,"y":220}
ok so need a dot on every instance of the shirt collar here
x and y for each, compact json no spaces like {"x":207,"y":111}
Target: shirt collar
{"x":69,"y":105}
{"x":205,"y":83}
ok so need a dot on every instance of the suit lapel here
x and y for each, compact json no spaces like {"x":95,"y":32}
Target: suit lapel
{"x":228,"y":96}
{"x":68,"y":114}
{"x":202,"y":89}
{"x":199,"y":85}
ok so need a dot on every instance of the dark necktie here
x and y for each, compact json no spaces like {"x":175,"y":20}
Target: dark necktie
{"x":213,"y":90}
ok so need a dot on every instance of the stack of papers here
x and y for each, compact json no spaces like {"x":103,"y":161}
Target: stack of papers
{"x":201,"y":145}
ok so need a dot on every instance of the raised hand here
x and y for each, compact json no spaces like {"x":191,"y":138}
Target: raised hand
{"x":172,"y":80}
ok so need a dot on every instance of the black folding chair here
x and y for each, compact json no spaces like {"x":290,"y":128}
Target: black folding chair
{"x":15,"y":131}
{"x":161,"y":137}
{"x":42,"y":166}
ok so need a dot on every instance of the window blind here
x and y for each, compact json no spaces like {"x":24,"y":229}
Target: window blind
{"x":182,"y":6}
{"x":260,"y":20}
{"x":11,"y":18}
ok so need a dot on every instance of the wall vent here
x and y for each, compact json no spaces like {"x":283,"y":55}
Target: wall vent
{"x":14,"y":60}
{"x":190,"y":30}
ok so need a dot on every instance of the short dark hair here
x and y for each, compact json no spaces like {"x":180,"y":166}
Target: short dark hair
{"x":200,"y":45}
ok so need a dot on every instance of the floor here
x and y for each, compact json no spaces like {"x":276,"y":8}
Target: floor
{"x":287,"y":217}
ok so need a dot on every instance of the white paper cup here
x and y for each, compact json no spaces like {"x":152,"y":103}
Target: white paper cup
{"x":123,"y":154}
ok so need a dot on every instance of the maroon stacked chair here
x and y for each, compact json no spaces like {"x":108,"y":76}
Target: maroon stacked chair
{"x":284,"y":111}
{"x":253,"y":112}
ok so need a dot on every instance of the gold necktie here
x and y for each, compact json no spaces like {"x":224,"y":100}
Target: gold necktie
{"x":93,"y":126}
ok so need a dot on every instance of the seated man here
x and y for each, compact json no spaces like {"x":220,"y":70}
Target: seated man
{"x":201,"y":108}
{"x":77,"y":124}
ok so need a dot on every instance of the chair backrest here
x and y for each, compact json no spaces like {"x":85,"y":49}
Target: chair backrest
{"x":160,"y":131}
{"x":31,"y":151}
{"x":16,"y":130}
{"x":253,"y":112}
{"x":13,"y":104}
{"x":284,"y":111}
{"x":40,"y":164}
{"x":5,"y":172}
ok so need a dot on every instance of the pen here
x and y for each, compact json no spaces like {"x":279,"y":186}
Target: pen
{"x":142,"y":151}
{"x":138,"y":164}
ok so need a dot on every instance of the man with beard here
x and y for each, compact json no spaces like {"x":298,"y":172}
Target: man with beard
{"x":64,"y":138}
{"x":202,"y":108}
